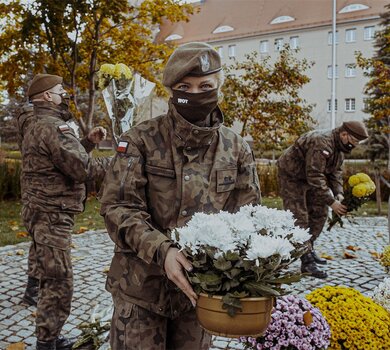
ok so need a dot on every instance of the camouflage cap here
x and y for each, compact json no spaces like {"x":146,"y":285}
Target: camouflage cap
{"x":43,"y":82}
{"x":195,"y":59}
{"x":356,"y":129}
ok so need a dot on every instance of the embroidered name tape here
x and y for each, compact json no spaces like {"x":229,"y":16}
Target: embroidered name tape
{"x":122,"y":146}
{"x":64,"y":127}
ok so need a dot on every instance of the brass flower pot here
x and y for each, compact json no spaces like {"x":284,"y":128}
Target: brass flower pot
{"x":253,"y":320}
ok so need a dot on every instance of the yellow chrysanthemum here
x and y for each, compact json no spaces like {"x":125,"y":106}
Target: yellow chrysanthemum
{"x":371,"y":187}
{"x":122,"y":71}
{"x":385,"y":258}
{"x":108,"y":69}
{"x":351,"y":315}
{"x":359,"y":190}
{"x":353,"y":180}
{"x":363,"y":177}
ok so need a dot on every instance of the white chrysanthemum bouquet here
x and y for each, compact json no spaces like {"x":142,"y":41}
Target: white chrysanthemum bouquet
{"x":381,"y":294}
{"x":245,"y":254}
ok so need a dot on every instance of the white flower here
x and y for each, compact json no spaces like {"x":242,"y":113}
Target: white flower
{"x":381,"y":294}
{"x":264,"y":247}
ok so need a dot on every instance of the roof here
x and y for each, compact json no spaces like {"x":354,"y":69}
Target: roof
{"x":254,"y":17}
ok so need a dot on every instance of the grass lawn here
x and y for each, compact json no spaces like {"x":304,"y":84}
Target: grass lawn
{"x":12,"y":230}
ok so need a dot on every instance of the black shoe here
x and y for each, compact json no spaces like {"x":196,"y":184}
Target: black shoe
{"x":30,"y":296}
{"x":46,"y":345}
{"x":63,"y":343}
{"x":317,"y":258}
{"x":310,"y":267}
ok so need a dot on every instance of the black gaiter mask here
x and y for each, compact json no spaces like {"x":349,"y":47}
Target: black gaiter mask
{"x":195,"y":107}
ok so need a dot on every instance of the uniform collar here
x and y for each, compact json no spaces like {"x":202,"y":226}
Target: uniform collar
{"x":47,"y":108}
{"x":189,"y":135}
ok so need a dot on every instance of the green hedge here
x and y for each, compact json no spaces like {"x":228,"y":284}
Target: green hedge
{"x":10,"y":174}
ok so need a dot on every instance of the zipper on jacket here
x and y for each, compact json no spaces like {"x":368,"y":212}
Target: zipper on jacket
{"x":122,"y":185}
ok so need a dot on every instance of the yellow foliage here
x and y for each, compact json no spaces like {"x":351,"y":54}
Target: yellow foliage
{"x":16,"y":346}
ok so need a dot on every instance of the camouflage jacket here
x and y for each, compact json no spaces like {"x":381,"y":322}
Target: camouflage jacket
{"x":55,"y":164}
{"x":316,"y":158}
{"x":165,"y":170}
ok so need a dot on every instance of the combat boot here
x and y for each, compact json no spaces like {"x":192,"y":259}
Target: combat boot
{"x":318,"y":259}
{"x":309,"y":266}
{"x":30,"y":296}
{"x":63,"y":343}
{"x":46,"y":345}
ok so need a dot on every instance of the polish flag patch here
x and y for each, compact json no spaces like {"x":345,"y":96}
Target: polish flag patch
{"x":122,"y":146}
{"x":64,"y":127}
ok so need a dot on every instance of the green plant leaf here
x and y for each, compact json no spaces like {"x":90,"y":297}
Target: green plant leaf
{"x":222,"y":264}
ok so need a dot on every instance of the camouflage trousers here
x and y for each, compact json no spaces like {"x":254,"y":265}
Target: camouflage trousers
{"x":134,"y":327}
{"x":301,"y":199}
{"x":50,"y":261}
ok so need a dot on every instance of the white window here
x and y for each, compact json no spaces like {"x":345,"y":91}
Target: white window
{"x":369,"y":33}
{"x":294,"y":42}
{"x":350,"y":35}
{"x":353,"y":7}
{"x":329,"y":105}
{"x":282,"y":19}
{"x":350,"y":70}
{"x":366,"y":104}
{"x":330,"y":37}
{"x":223,"y":29}
{"x":330,"y":72}
{"x":279,"y":44}
{"x":220,"y":51}
{"x":350,"y":105}
{"x":232,"y":51}
{"x":264,"y":46}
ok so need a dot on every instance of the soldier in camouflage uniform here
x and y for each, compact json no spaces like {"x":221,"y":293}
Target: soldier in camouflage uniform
{"x":165,"y":170}
{"x":55,"y":166}
{"x":310,"y":181}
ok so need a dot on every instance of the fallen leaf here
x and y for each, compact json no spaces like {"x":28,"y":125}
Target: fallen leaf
{"x":16,"y":346}
{"x":307,"y":318}
{"x":375,"y":254}
{"x":10,"y":253}
{"x":326,"y":256}
{"x":74,"y":246}
{"x":21,"y":234}
{"x":14,"y":228}
{"x":34,"y":314}
{"x":379,"y":234}
{"x":353,"y":248}
{"x":106,"y":269}
{"x":349,"y":256}
{"x":13,"y":223}
{"x":20,"y":252}
{"x":82,"y":229}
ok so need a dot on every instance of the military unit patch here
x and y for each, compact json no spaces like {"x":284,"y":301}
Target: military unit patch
{"x":64,"y":127}
{"x":122,"y":146}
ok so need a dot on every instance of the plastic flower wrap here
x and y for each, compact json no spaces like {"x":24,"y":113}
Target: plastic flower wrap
{"x":381,"y":294}
{"x":124,"y":94}
{"x":356,"y":322}
{"x":242,"y":254}
{"x":360,"y":187}
{"x":385,"y":258}
{"x":295,"y":325}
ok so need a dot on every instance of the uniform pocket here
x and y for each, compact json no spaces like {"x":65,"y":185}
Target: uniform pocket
{"x":226,"y":179}
{"x":159,"y":171}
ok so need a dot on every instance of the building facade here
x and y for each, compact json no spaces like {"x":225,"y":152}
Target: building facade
{"x":238,"y":27}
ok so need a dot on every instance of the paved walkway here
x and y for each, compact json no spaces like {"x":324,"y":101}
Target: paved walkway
{"x":92,"y":254}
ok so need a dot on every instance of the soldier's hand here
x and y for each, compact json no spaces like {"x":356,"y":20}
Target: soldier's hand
{"x":340,"y":197}
{"x":174,"y":263}
{"x":339,"y":208}
{"x":97,"y":134}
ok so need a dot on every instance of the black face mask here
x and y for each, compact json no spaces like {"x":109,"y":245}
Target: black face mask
{"x":349,"y":146}
{"x":195,"y":107}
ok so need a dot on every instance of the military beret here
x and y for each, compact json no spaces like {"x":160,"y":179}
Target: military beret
{"x":356,"y":129}
{"x":43,"y":82}
{"x":195,"y":59}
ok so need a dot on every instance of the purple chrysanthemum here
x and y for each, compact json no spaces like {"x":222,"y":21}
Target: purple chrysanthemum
{"x":290,"y":329}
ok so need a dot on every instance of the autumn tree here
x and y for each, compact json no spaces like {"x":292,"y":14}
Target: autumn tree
{"x":377,"y":69}
{"x":264,"y":97}
{"x":72,"y":38}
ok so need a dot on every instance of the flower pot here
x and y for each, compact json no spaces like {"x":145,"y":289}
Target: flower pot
{"x":253,"y":320}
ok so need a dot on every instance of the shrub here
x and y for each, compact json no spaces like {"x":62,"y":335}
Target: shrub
{"x":356,"y":322}
{"x":9,"y":179}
